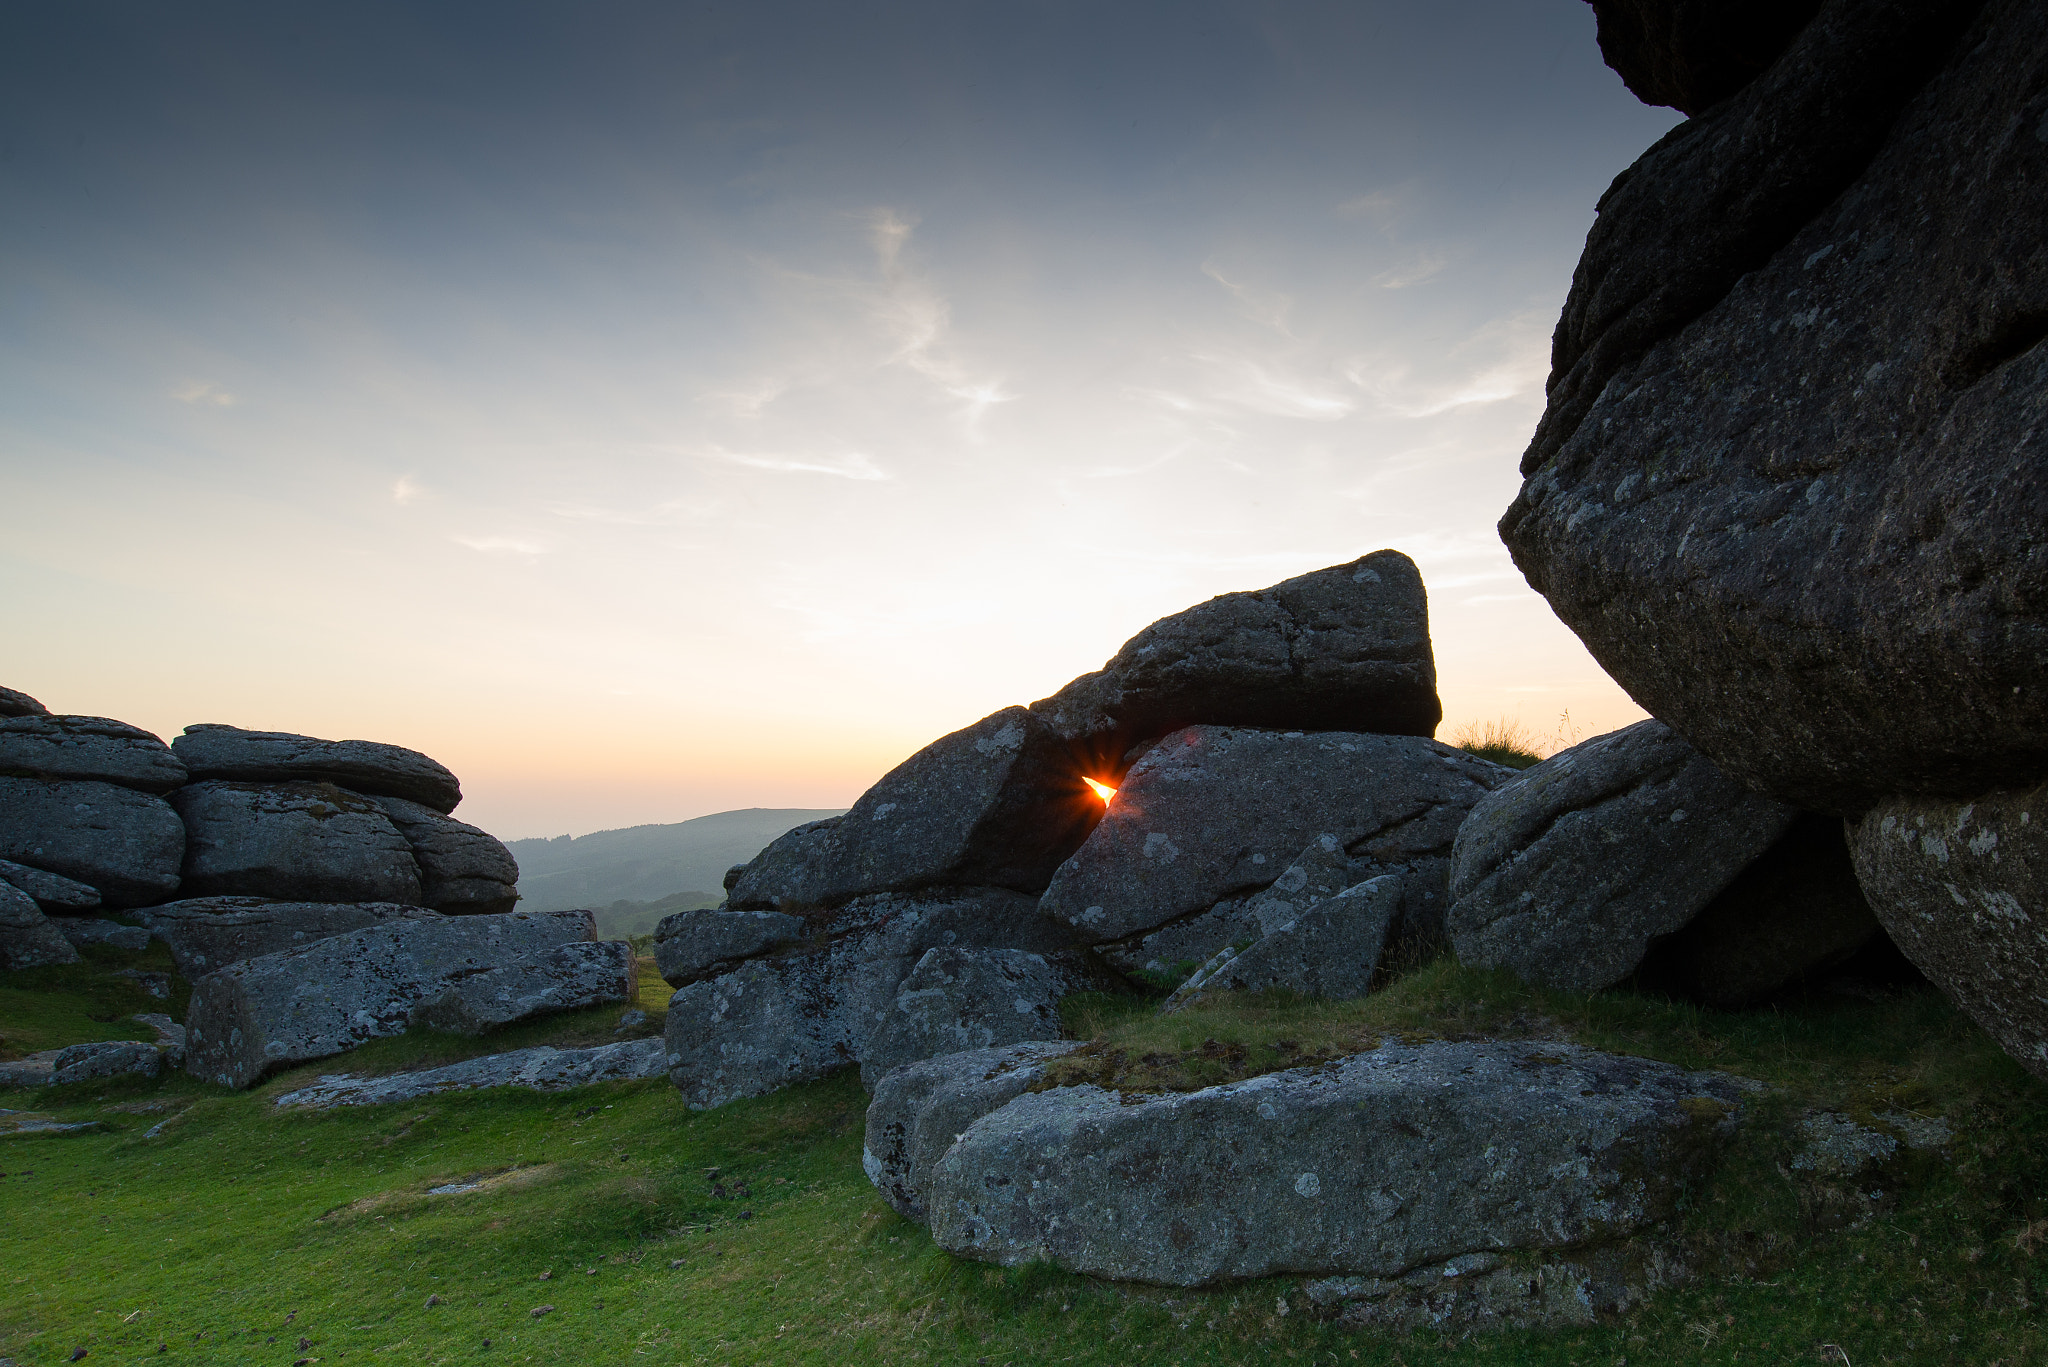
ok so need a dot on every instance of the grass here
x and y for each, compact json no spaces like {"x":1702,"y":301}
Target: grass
{"x":748,"y":1234}
{"x":1506,"y":741}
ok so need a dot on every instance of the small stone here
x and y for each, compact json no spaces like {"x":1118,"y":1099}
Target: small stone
{"x":433,"y":1301}
{"x":546,"y":1276}
{"x":540,"y":1310}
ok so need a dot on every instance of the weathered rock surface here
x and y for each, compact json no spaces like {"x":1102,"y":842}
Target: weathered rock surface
{"x":15,"y":703}
{"x":29,"y":939}
{"x":88,"y":747}
{"x":1693,"y":54}
{"x":1963,"y":889}
{"x":463,"y":871}
{"x":1795,"y":911}
{"x":32,"y":1071}
{"x":1568,"y":871}
{"x":209,"y":933}
{"x":1214,"y":812}
{"x":460,"y":973}
{"x":82,"y":931}
{"x":125,"y":844}
{"x":956,"y":1000}
{"x":1380,"y":1164}
{"x":293,"y":841}
{"x":1477,"y":1292}
{"x":920,"y":1109}
{"x":113,"y":1058}
{"x":1330,"y":950}
{"x":51,"y":891}
{"x":784,"y":1019}
{"x":540,"y":1069}
{"x":1787,"y":488}
{"x":227,"y":752}
{"x":707,"y":941}
{"x":996,"y":804}
{"x":1342,"y":649}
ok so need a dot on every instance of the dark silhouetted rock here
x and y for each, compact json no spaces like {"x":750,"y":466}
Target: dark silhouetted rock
{"x":208,"y":933}
{"x":1216,"y":812}
{"x":112,"y":1058}
{"x":88,"y":747}
{"x":463,"y":871}
{"x":1382,"y":1163}
{"x":14,"y":703}
{"x":29,"y":939}
{"x":997,"y":804}
{"x":1787,"y":488}
{"x":52,"y":892}
{"x":125,"y":844}
{"x":540,"y":1069}
{"x":82,"y":931}
{"x":707,"y":941}
{"x":920,"y":1109}
{"x":1693,"y":54}
{"x":460,"y":973}
{"x":1330,"y":950}
{"x":310,"y":842}
{"x":1963,"y":889}
{"x":363,"y":766}
{"x":1568,"y":871}
{"x":957,"y":1000}
{"x":1342,"y":649}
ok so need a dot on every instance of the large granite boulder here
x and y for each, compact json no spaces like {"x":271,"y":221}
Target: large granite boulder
{"x":920,"y":1109}
{"x":957,"y":999}
{"x":996,"y":804}
{"x":300,"y":842}
{"x":1963,"y":889}
{"x":807,"y":1011}
{"x":127,"y":845}
{"x":88,"y":747}
{"x":1342,"y":649}
{"x":1331,"y":950}
{"x":463,"y":870}
{"x":15,"y":703}
{"x":209,"y":933}
{"x":1567,"y":872}
{"x":212,"y":751}
{"x":1217,"y":812}
{"x":1693,"y":54}
{"x":707,"y":941}
{"x":1788,"y":485}
{"x":53,"y":892}
{"x":29,"y":939}
{"x":459,"y":973}
{"x":1384,"y":1162}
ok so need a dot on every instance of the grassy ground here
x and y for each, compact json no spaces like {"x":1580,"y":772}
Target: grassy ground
{"x":209,"y":1227}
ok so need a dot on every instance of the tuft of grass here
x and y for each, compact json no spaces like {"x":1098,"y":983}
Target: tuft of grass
{"x":1505,"y":741}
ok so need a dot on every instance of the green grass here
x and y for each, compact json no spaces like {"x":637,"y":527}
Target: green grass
{"x":1505,"y":741}
{"x":239,"y":1230}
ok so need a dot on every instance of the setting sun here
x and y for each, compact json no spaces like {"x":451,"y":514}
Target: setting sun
{"x":1102,"y":790}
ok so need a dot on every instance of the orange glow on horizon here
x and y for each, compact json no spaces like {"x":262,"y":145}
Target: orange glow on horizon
{"x":1102,"y":790}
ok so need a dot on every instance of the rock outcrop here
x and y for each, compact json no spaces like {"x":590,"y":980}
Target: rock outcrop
{"x":100,"y":748}
{"x":294,"y":842}
{"x":52,"y":892}
{"x":28,"y":938}
{"x":1330,"y":950}
{"x":1693,"y":54}
{"x":15,"y":703}
{"x":540,"y":1069}
{"x":212,"y":751}
{"x":956,"y":1000}
{"x":109,"y":1059}
{"x":706,"y":941}
{"x":463,"y":871}
{"x":125,"y":844}
{"x":205,"y":934}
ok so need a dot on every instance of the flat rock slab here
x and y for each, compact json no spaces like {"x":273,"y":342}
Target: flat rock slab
{"x":295,"y":842}
{"x":126,"y":845}
{"x":997,"y":804}
{"x":464,"y":871}
{"x":955,"y":1000}
{"x":1342,"y":649}
{"x":88,"y":747}
{"x":541,"y":1069}
{"x":459,"y":973}
{"x":30,"y":1122}
{"x":28,"y":938}
{"x":1963,"y":889}
{"x":1330,"y":951}
{"x":52,"y":892}
{"x":1568,"y":871}
{"x":112,"y":1058}
{"x":33,"y":1071}
{"x":363,"y":766}
{"x":83,"y":931}
{"x":690,"y":946}
{"x":1214,"y":812}
{"x":208,"y":933}
{"x":1376,"y":1165}
{"x":920,"y":1109}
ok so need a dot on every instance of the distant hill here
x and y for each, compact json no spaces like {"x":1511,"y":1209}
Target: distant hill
{"x":623,"y":920}
{"x":646,"y":863}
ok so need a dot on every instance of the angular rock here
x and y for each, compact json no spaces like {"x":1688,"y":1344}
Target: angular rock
{"x":1377,"y":1165}
{"x":1570,"y":870}
{"x":996,"y":804}
{"x":125,"y":844}
{"x":15,"y":703}
{"x":1963,"y":889}
{"x":1794,"y":912}
{"x":1329,"y":951}
{"x":463,"y":871}
{"x":957,"y":1000}
{"x":212,"y":751}
{"x":170,"y":1036}
{"x":88,"y":747}
{"x":920,"y":1109}
{"x":775,"y":1021}
{"x":29,"y":939}
{"x":540,"y":1069}
{"x":459,"y":973}
{"x":1341,"y":649}
{"x":1693,"y":54}
{"x":52,"y":892}
{"x":1787,"y":488}
{"x":113,"y":1058}
{"x":209,"y":933}
{"x":1215,"y":812}
{"x":32,"y":1071}
{"x":293,"y":841}
{"x":82,"y":931}
{"x":707,"y":941}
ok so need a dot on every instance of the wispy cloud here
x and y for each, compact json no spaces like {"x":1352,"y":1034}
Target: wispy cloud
{"x":918,"y":319}
{"x":489,"y":545}
{"x":405,"y":489}
{"x":1426,"y":266}
{"x":1265,"y":306}
{"x":748,"y":400}
{"x":1262,"y":387}
{"x":1505,"y":358}
{"x":204,"y":393}
{"x":846,"y":465}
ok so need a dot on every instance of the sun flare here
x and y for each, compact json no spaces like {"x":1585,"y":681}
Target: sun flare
{"x":1102,"y":790}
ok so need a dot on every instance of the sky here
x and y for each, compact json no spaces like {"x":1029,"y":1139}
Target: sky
{"x":650,"y":410}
